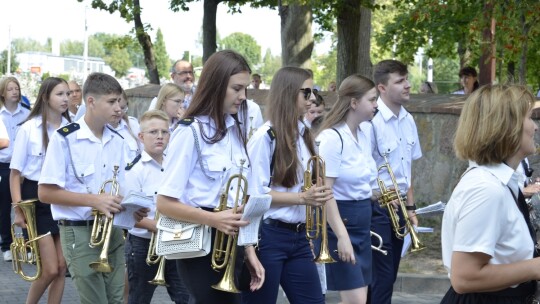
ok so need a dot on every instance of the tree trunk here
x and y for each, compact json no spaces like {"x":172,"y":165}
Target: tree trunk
{"x":365,"y":67}
{"x":348,"y":35}
{"x":296,"y":36}
{"x":209,"y":28}
{"x":511,"y":71}
{"x":146,"y":43}
{"x":487,"y":59}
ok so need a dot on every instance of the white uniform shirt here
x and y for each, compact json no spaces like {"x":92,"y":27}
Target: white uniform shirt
{"x":11,"y":122}
{"x":3,"y":131}
{"x":28,"y":151}
{"x":398,"y":138}
{"x":255,"y":118}
{"x":350,"y":161}
{"x":132,"y":143}
{"x":482,"y":216}
{"x":185,"y":180}
{"x":93,"y":161}
{"x":145,"y":176}
{"x":260,"y":150}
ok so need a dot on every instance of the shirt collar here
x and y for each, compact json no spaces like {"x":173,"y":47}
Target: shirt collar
{"x":39,"y":121}
{"x":301,"y":127}
{"x":17,"y":110}
{"x":387,"y":114}
{"x":229,"y":120}
{"x":501,"y":171}
{"x":145,"y":157}
{"x":85,"y":133}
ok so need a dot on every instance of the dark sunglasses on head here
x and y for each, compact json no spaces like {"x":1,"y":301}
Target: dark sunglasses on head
{"x":307,"y":92}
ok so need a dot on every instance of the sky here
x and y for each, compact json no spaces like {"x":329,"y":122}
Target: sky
{"x":64,"y":19}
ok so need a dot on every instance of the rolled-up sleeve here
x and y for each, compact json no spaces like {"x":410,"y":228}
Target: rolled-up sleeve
{"x":260,"y":149}
{"x":55,"y":165}
{"x":179,"y":163}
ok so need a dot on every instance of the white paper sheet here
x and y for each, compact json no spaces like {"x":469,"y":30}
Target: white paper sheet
{"x":407,"y":240}
{"x":131,"y":203}
{"x":255,"y":208}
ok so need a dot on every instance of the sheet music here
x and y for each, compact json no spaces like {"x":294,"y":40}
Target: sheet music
{"x":131,"y":203}
{"x":253,"y":212}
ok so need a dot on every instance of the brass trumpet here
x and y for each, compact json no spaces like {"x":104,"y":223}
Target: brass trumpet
{"x":389,"y":195}
{"x":152,"y":258}
{"x":26,"y":251}
{"x":316,"y":216}
{"x":102,"y":228}
{"x":224,"y":251}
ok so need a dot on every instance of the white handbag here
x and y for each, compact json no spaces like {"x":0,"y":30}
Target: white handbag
{"x":182,"y":240}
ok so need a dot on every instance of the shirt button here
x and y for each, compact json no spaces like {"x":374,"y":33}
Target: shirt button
{"x":155,"y":192}
{"x":162,"y":169}
{"x":104,"y":165}
{"x":224,"y":169}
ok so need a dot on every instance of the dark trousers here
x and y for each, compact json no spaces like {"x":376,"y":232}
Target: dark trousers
{"x":287,"y":260}
{"x":5,"y":208}
{"x":139,"y":273}
{"x":198,"y":276}
{"x":385,"y":267}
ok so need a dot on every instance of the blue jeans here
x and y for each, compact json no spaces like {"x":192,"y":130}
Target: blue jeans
{"x":287,"y":260}
{"x":385,"y":267}
{"x":139,"y":273}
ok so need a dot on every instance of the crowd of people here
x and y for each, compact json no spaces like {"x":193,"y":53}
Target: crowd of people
{"x":193,"y":139}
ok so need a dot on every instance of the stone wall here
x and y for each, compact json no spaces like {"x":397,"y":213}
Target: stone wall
{"x":436,"y":116}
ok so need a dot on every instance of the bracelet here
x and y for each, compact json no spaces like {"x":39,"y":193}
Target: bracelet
{"x":411,"y":208}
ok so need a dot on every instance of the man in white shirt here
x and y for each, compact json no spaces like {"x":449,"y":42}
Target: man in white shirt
{"x":75,"y":98}
{"x":182,"y":75}
{"x":396,"y":138}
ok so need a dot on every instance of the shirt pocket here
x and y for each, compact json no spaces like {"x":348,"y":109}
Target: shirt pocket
{"x":218,"y":167}
{"x":411,"y":142}
{"x":36,"y":155}
{"x":82,"y":171}
{"x":389,"y":147}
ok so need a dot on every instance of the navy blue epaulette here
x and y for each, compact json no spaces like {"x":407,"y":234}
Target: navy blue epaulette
{"x":133,"y":162}
{"x":68,"y":129}
{"x":271,"y":133}
{"x":114,"y":131}
{"x":24,"y":105}
{"x":186,"y":121}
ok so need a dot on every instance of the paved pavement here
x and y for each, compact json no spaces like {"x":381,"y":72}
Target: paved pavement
{"x":409,"y":289}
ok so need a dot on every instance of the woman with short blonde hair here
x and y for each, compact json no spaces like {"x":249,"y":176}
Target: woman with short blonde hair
{"x":488,"y":243}
{"x":171,"y":101}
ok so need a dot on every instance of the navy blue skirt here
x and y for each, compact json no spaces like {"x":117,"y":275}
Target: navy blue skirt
{"x":356,"y":216}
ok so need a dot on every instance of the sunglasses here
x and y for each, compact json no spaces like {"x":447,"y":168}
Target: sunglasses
{"x":307,"y":92}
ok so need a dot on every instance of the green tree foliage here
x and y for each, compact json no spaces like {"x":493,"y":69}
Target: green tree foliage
{"x":119,"y":61}
{"x":244,"y":44}
{"x":456,"y":26}
{"x":4,"y":62}
{"x":130,"y":10}
{"x":270,"y":65}
{"x":21,"y":45}
{"x":163,"y":61}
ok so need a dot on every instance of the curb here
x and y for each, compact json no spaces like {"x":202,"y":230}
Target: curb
{"x":421,"y":283}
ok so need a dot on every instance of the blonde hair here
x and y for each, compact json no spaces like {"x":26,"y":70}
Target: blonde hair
{"x":4,"y":81}
{"x":491,"y":123}
{"x":354,"y":86}
{"x":151,"y":114}
{"x":167,"y":91}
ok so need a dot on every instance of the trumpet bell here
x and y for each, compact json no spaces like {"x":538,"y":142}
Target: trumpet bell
{"x":101,"y":266}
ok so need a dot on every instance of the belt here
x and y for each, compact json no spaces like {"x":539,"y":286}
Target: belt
{"x":75,"y":223}
{"x":276,"y":223}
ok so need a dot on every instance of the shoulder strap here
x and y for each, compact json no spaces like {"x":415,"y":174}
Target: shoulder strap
{"x":271,"y":133}
{"x":198,"y":148}
{"x":133,"y":162}
{"x":340,"y":138}
{"x":114,"y":131}
{"x":68,"y":129}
